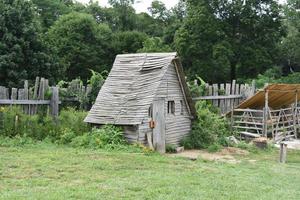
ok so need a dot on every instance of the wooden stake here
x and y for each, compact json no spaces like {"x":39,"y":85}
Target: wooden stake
{"x":295,"y":115}
{"x":283,"y":151}
{"x":265,"y":118}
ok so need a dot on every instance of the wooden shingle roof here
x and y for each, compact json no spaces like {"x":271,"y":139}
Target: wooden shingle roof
{"x":130,"y":88}
{"x":279,"y":95}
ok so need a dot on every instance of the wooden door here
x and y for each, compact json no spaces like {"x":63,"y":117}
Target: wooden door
{"x":159,"y":131}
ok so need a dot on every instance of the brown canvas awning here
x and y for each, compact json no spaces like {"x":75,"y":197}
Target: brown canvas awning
{"x":279,"y":95}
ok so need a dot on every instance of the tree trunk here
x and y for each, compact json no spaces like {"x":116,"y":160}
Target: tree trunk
{"x":233,"y":70}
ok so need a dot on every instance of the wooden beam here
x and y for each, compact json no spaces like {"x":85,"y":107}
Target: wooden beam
{"x":24,"y":102}
{"x":218,"y":97}
{"x":265,"y":119}
{"x":295,"y":115}
{"x":247,"y":110}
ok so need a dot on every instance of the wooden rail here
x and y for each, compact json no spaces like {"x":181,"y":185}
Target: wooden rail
{"x":31,"y":99}
{"x":218,"y":97}
{"x":24,"y":102}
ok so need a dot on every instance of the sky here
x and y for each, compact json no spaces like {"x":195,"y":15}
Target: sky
{"x":143,"y":5}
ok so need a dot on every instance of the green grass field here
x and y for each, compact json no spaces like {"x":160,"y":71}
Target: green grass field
{"x":45,"y":171}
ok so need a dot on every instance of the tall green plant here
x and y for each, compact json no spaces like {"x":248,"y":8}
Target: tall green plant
{"x":96,"y":81}
{"x":209,"y":128}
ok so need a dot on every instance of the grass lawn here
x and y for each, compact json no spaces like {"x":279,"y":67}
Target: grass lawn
{"x":46,"y":171}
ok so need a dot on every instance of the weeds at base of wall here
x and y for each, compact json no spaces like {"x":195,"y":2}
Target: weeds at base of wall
{"x":19,"y":129}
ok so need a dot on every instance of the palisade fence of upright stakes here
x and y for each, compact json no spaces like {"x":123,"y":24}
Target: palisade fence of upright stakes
{"x":41,"y":95}
{"x":226,"y":96}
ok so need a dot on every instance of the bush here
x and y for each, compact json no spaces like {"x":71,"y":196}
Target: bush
{"x":66,"y":136}
{"x":18,"y":129}
{"x":108,"y":137}
{"x":73,"y":119}
{"x":209,"y":128}
{"x":214,"y":148}
{"x":41,"y":126}
{"x":16,"y":141}
{"x":171,"y":148}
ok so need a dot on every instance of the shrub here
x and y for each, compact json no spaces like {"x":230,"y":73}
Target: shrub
{"x":16,"y":141}
{"x":214,"y":148}
{"x":199,"y":89}
{"x":40,"y":126}
{"x":209,"y":128}
{"x":170,"y":148}
{"x":72,"y":119}
{"x":108,"y":137}
{"x":66,"y":136}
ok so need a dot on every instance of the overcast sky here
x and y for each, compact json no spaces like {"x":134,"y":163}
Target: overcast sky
{"x":142,"y":5}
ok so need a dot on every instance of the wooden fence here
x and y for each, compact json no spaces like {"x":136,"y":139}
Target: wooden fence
{"x":226,"y":96}
{"x":31,"y":99}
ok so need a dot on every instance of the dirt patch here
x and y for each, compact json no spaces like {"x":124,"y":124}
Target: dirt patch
{"x":225,"y":155}
{"x":293,"y":144}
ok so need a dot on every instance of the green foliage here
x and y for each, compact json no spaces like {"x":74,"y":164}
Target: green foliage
{"x":214,"y":148}
{"x":108,"y":137}
{"x":154,"y":44}
{"x":274,"y":75}
{"x":128,"y":41}
{"x":269,"y":76}
{"x":95,"y":82}
{"x":81,"y":43}
{"x":16,"y":141}
{"x":73,"y":119}
{"x":171,"y":148}
{"x":23,"y":52}
{"x":159,"y":11}
{"x":41,"y":126}
{"x":198,"y":89}
{"x":208,"y":129}
{"x":50,"y":10}
{"x":68,"y":129}
{"x":290,"y":45}
{"x":224,"y":39}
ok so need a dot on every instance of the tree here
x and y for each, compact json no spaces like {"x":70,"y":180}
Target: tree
{"x":159,"y":11}
{"x":154,"y":44}
{"x":82,"y":44}
{"x":23,"y":54}
{"x":247,"y":31}
{"x":50,"y":10}
{"x":290,"y":45}
{"x":198,"y":43}
{"x":128,"y":41}
{"x":124,"y":14}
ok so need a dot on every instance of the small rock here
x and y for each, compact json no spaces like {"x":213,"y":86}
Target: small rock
{"x":179,"y":149}
{"x":233,"y":140}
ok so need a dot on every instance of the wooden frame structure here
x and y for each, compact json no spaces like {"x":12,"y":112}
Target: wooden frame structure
{"x":272,"y":112}
{"x":137,"y":96}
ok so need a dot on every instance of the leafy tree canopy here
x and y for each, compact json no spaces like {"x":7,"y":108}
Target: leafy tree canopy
{"x":81,"y":43}
{"x":154,"y":44}
{"x":23,"y":54}
{"x":225,"y":39}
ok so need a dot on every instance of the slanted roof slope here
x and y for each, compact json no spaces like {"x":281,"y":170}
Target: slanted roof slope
{"x":279,"y":95}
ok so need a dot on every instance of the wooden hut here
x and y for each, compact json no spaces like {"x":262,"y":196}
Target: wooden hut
{"x":272,"y":112}
{"x":147,"y":95}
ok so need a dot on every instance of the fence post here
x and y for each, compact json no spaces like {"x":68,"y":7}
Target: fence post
{"x":283,"y":150}
{"x":54,"y":102}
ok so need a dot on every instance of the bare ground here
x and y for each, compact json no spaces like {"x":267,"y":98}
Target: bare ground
{"x":225,"y":155}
